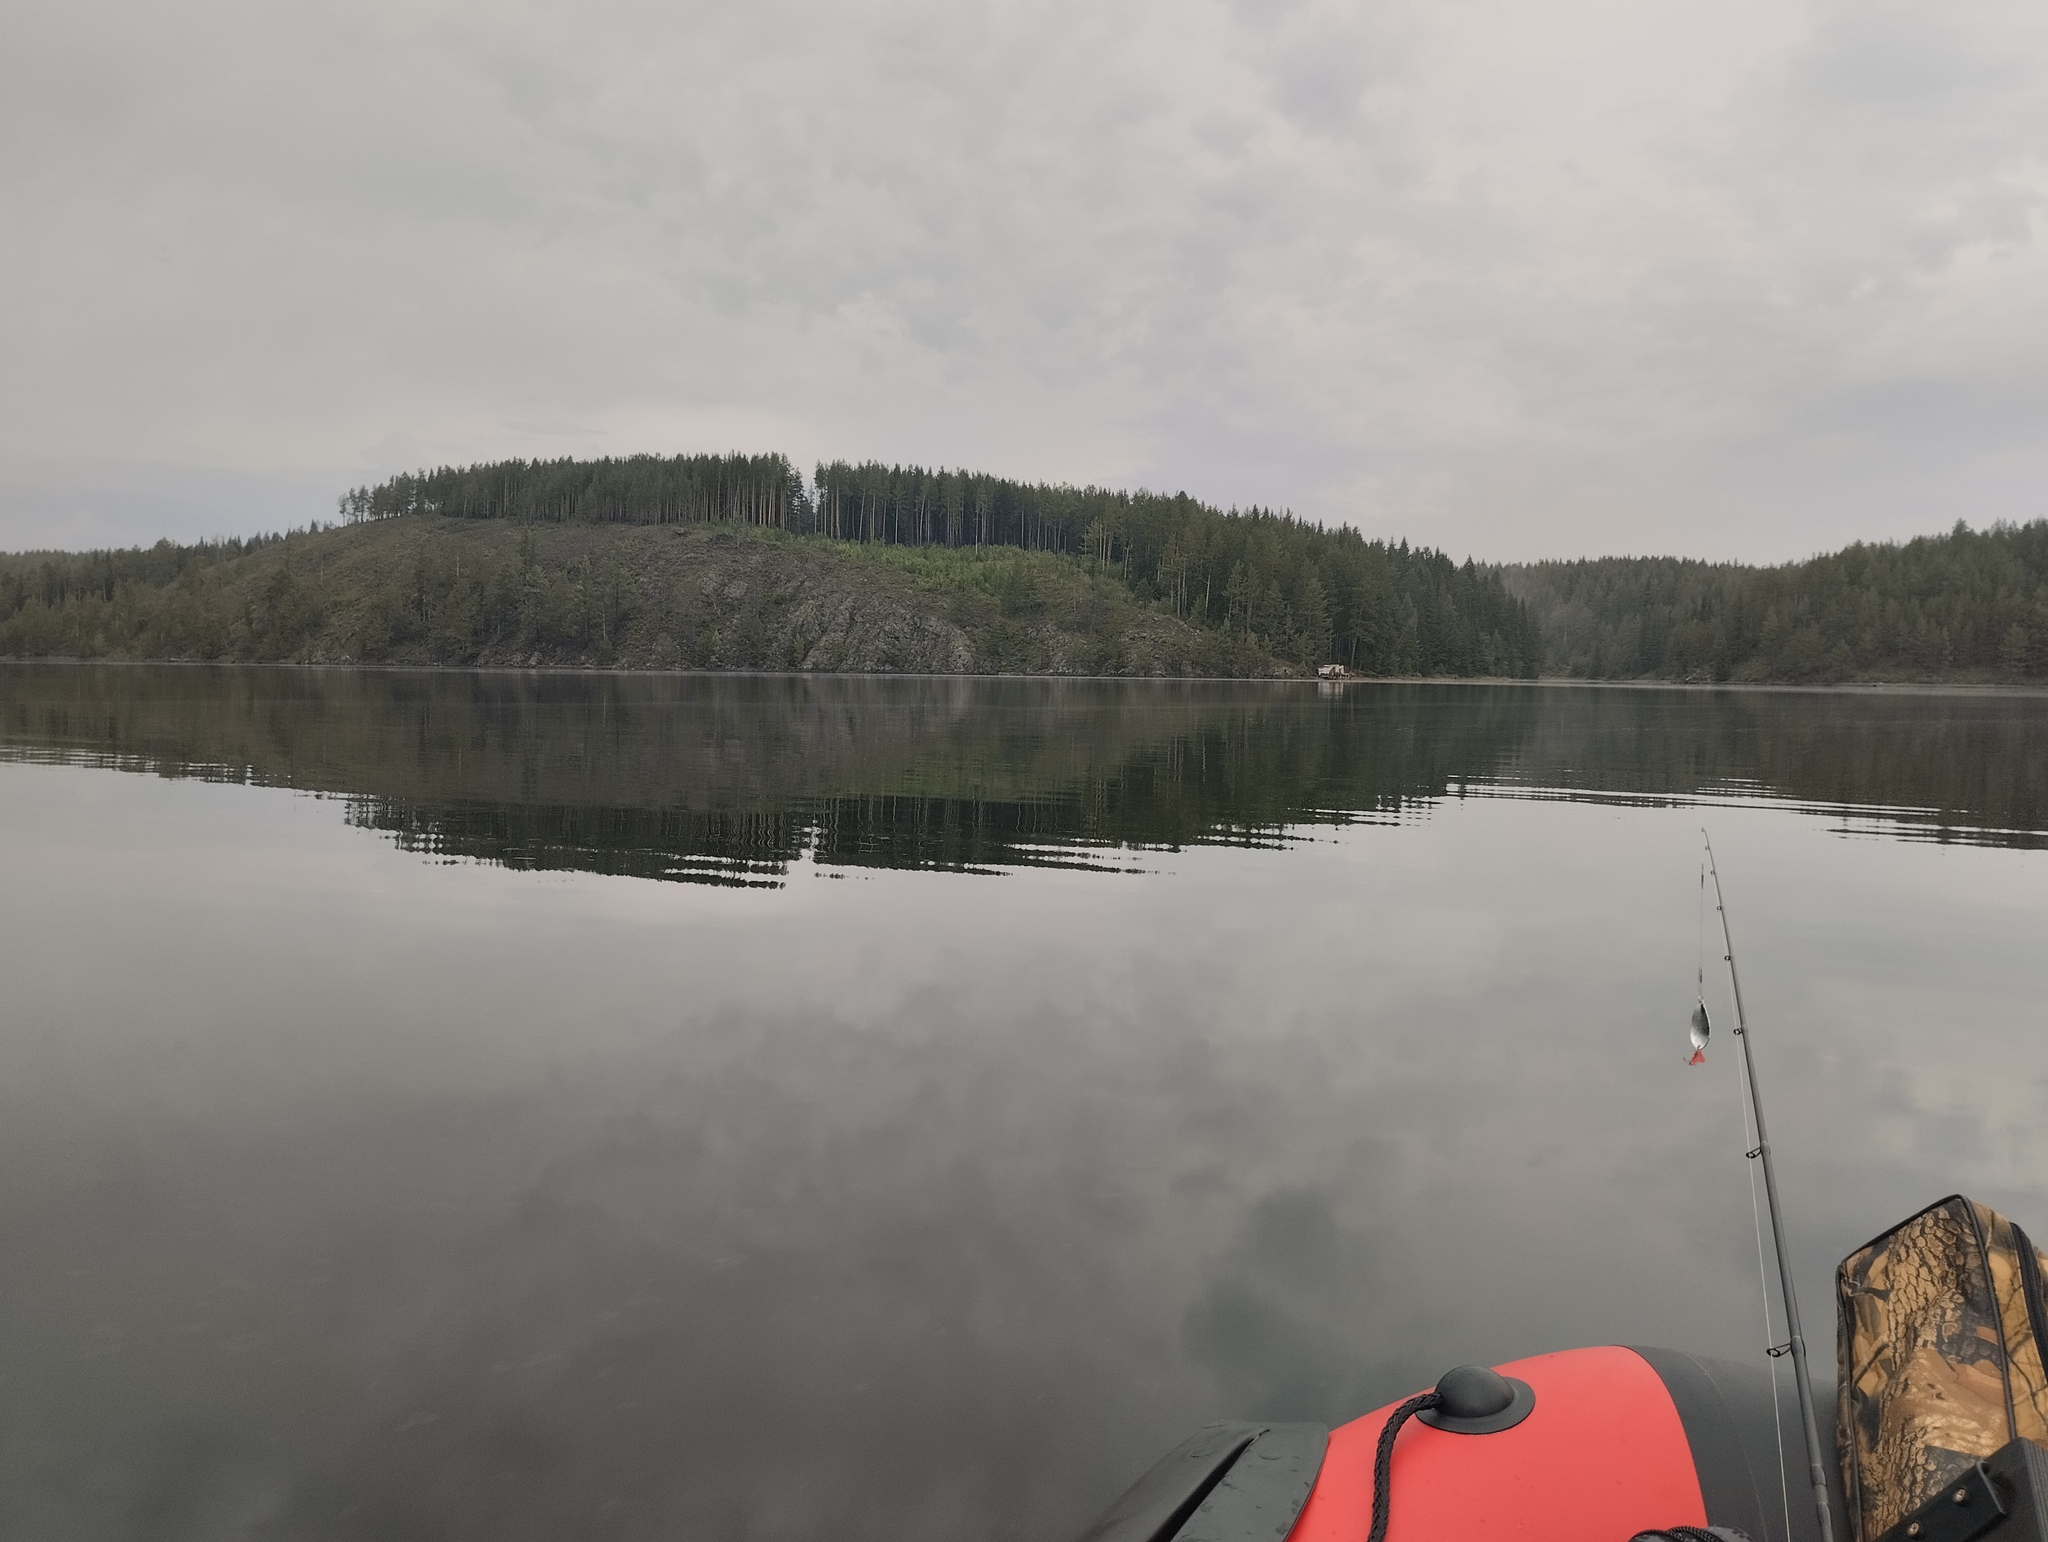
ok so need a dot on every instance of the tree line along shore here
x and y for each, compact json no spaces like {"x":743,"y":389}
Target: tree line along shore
{"x":738,"y":562}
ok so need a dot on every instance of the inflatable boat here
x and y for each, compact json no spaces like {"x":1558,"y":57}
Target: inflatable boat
{"x":1941,"y":1431}
{"x":1589,"y":1445}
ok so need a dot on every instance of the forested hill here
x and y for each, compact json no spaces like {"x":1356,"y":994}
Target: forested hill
{"x":495,"y":592}
{"x":1306,"y":594}
{"x":1968,"y":605}
{"x":740,"y":561}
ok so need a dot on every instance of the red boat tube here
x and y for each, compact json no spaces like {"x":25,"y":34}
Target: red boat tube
{"x":1591,"y":1445}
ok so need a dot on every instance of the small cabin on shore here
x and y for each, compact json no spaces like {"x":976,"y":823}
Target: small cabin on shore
{"x":1333,"y":672}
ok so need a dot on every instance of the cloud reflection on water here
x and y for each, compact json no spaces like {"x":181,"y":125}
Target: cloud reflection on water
{"x":348,"y":1195}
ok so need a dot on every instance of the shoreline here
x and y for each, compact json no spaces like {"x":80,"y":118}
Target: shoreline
{"x":1547,"y":682}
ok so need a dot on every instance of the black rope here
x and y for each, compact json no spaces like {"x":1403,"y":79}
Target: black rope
{"x":1383,"y":1460}
{"x":1382,"y":1490}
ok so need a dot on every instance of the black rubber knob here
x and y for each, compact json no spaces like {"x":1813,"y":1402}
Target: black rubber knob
{"x":1474,"y":1392}
{"x":1477,"y":1401}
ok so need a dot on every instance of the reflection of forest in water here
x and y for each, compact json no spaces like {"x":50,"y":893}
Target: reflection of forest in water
{"x":729,"y":779}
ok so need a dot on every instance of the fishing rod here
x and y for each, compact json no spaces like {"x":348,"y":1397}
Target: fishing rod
{"x":1796,"y":1345}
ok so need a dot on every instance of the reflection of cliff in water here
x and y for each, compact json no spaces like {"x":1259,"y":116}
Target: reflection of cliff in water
{"x":730,"y":779}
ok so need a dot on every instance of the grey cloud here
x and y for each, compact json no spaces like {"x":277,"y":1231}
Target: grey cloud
{"x":1594,"y":280}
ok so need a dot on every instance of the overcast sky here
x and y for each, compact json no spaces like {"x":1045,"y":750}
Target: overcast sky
{"x":1732,"y":278}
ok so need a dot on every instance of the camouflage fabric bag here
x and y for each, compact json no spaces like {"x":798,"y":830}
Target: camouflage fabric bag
{"x":1940,"y":1326}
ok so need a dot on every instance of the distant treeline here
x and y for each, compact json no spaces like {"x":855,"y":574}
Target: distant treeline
{"x":1972,"y":602}
{"x":54,"y":579}
{"x":1307,"y":594}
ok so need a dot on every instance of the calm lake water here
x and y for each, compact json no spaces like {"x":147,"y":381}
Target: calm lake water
{"x":541,"y":1106}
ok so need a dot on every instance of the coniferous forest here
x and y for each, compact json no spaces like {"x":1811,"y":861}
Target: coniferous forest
{"x":1307,"y":594}
{"x":957,"y":569}
{"x":1971,"y":604}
